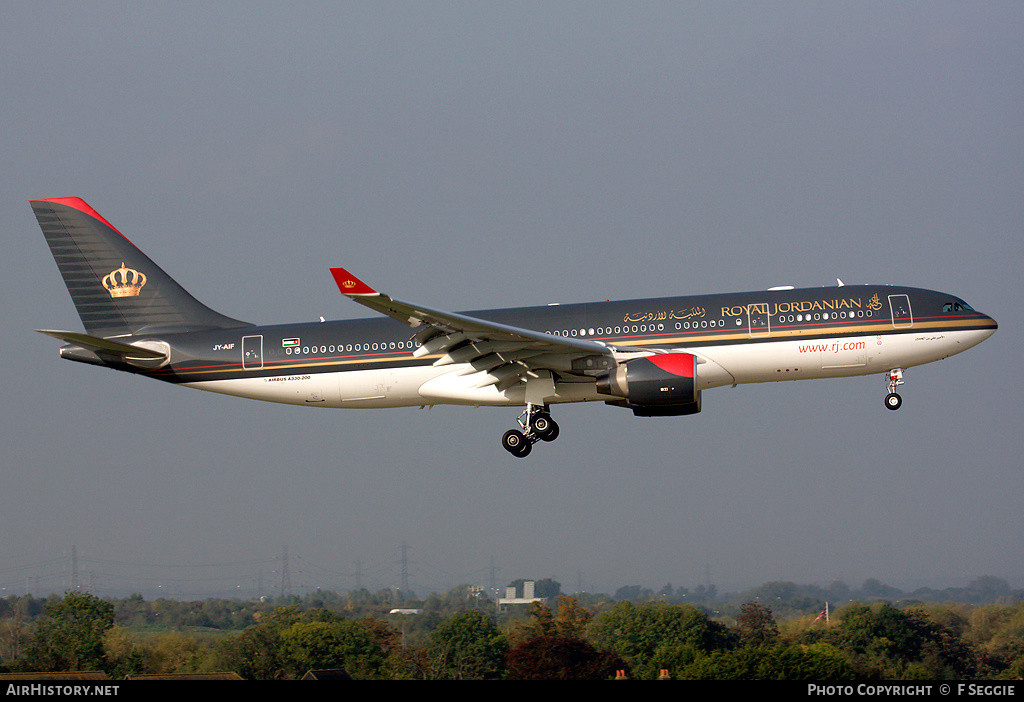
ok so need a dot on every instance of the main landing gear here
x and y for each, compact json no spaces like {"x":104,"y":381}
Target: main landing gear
{"x":537,"y":425}
{"x":893,"y":401}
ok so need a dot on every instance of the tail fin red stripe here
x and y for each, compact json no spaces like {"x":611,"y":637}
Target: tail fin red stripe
{"x":80,"y":205}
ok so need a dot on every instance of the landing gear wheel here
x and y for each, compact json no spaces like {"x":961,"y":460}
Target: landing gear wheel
{"x":893,"y":401}
{"x":895,"y":379}
{"x":516,"y":443}
{"x":544,"y":427}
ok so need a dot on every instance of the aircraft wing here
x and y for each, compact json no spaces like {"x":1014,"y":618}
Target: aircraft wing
{"x":507,"y":354}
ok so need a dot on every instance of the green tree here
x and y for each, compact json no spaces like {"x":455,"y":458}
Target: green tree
{"x":883,"y":641}
{"x":122,"y":654}
{"x":255,"y":653}
{"x":988,"y":588}
{"x":638,"y":632}
{"x":571,"y":620}
{"x":633,"y":593}
{"x":873,"y":588}
{"x":338,"y":643}
{"x":70,"y":636}
{"x":997,"y":633}
{"x":174,"y":652}
{"x":756,"y":625}
{"x":561,"y":658}
{"x":466,"y":646}
{"x":816,"y":662}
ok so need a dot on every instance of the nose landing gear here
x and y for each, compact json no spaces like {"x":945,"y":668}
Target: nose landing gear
{"x":893,"y":401}
{"x":536,"y":424}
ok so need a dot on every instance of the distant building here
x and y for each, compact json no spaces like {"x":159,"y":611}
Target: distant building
{"x":528,"y":596}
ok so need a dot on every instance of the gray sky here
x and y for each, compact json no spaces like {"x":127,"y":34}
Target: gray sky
{"x":476,"y":155}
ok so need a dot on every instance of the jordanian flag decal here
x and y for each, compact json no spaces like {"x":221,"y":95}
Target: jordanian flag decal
{"x":286,"y":343}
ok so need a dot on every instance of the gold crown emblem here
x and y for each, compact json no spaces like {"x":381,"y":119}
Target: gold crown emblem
{"x":349,"y":283}
{"x":124,"y":282}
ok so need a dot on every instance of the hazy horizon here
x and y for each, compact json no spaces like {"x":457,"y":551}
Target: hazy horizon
{"x":288,"y":574}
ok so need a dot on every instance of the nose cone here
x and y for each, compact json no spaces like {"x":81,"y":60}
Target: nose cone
{"x":968,"y":330}
{"x":986,"y":327}
{"x":989,"y":323}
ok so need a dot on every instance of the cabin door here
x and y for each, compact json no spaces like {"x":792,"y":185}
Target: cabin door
{"x":901,"y":313}
{"x":758,"y":321}
{"x":252,"y":352}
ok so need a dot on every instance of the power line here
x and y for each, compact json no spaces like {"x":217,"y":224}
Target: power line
{"x":286,"y":578}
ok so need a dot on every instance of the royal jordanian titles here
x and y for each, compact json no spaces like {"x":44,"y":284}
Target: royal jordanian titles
{"x":654,"y":357}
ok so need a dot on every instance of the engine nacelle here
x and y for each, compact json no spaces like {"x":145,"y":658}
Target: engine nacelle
{"x":662,"y":385}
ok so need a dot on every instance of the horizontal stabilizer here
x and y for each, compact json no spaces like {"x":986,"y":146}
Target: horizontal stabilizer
{"x":136,"y":355}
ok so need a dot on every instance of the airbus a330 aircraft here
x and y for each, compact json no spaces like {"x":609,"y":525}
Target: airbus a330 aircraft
{"x":651,"y":356}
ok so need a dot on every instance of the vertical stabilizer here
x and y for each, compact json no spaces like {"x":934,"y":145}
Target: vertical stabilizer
{"x":116,"y":288}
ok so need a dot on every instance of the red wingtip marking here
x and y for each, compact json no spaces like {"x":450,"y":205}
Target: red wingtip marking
{"x":80,"y":205}
{"x":349,"y":284}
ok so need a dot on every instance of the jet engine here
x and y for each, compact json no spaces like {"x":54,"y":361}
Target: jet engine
{"x":662,"y":385}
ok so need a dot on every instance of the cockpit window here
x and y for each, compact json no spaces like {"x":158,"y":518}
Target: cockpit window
{"x":956,"y":306}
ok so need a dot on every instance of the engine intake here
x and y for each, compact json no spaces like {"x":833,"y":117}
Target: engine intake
{"x":662,"y":385}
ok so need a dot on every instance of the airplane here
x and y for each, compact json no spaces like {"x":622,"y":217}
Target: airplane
{"x":654,"y":357}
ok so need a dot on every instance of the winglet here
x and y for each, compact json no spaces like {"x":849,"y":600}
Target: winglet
{"x":349,"y":284}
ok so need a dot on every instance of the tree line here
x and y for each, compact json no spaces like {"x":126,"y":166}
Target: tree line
{"x":461,"y":634}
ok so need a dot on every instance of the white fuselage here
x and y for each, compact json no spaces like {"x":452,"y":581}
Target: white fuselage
{"x":735,"y":364}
